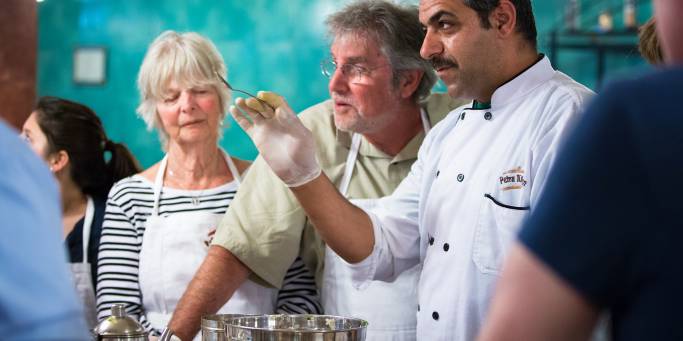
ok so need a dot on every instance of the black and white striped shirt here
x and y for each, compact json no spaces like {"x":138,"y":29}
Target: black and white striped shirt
{"x":129,"y":205}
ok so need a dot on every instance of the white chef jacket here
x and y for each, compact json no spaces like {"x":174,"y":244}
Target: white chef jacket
{"x":477,"y":174}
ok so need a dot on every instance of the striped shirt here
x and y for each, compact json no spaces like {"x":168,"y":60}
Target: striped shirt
{"x":129,"y":205}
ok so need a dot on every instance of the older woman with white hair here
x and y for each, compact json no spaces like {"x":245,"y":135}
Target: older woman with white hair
{"x":158,"y":224}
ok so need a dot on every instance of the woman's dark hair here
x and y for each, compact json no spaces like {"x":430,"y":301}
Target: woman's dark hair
{"x":76,"y":129}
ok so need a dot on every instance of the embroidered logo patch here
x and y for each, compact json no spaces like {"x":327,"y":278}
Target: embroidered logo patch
{"x":512,"y":179}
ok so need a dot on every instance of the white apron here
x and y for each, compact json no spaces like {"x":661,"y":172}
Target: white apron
{"x":390,"y":308}
{"x":81,"y":274}
{"x":173,"y":248}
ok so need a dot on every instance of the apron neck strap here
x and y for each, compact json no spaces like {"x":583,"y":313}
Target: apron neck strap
{"x":232,"y":167}
{"x":87,"y":226}
{"x":426,"y":124}
{"x":350,"y":163}
{"x":158,"y":183}
{"x":159,"y":180}
{"x":355,"y":147}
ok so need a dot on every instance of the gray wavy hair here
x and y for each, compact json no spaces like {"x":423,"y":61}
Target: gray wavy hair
{"x":186,"y":58}
{"x":395,"y":28}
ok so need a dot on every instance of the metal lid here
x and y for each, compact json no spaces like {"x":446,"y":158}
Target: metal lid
{"x":119,"y":324}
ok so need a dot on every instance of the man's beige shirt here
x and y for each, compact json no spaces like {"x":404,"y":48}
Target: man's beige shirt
{"x":266,"y":228}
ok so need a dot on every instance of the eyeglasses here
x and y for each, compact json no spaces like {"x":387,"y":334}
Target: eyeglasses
{"x":243,"y":92}
{"x":355,"y":73}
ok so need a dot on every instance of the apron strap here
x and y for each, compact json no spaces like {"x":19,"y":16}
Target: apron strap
{"x":350,"y":163}
{"x":87,"y":224}
{"x":426,"y":124}
{"x":158,"y":183}
{"x":355,"y":147}
{"x":233,"y":168}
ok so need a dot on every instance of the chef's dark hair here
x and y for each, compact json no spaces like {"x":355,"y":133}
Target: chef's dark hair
{"x":76,"y":129}
{"x":526,"y":25}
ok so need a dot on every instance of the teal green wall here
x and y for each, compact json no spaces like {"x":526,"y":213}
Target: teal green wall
{"x":267,"y":45}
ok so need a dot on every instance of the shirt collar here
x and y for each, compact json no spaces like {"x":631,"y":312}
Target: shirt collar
{"x":343,"y":137}
{"x":410,"y":150}
{"x":524,"y":83}
{"x":366,"y":148}
{"x":480,"y":105}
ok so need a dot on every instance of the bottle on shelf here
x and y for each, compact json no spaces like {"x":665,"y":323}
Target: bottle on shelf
{"x":572,"y":15}
{"x":605,"y":21}
{"x":630,"y":14}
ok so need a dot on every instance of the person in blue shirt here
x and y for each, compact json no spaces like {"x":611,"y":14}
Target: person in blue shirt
{"x":37,"y":298}
{"x":607,"y":234}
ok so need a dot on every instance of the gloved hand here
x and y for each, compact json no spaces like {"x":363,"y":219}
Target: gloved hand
{"x":283,"y":141}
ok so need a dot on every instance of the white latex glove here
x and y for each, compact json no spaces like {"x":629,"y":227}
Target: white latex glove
{"x":283,"y":141}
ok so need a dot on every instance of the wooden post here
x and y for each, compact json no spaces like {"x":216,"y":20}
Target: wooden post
{"x":18,"y":46}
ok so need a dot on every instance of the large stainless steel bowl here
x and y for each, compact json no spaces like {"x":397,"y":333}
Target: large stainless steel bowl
{"x":213,"y":326}
{"x":295,"y":328}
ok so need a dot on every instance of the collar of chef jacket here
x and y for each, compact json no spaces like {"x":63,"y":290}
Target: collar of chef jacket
{"x":519,"y":87}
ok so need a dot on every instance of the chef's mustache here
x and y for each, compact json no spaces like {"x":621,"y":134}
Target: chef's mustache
{"x":439,"y":62}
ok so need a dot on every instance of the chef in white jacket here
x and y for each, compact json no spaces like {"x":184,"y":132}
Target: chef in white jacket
{"x":478,"y":173}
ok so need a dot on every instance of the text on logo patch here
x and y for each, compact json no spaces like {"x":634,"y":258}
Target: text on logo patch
{"x":512,"y":179}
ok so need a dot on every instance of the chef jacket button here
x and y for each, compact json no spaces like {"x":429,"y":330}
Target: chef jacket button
{"x":487,"y":116}
{"x":446,"y":247}
{"x":418,"y":307}
{"x":431,"y":240}
{"x":461,"y":177}
{"x":462,"y":116}
{"x":435,"y":316}
{"x":437,"y":173}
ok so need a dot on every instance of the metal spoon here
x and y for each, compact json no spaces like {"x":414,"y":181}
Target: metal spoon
{"x":243,"y":92}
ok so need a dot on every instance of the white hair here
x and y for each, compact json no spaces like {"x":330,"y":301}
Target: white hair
{"x":190,"y":60}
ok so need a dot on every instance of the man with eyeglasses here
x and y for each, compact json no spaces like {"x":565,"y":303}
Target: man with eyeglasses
{"x":368,"y":135}
{"x":478,"y":174}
